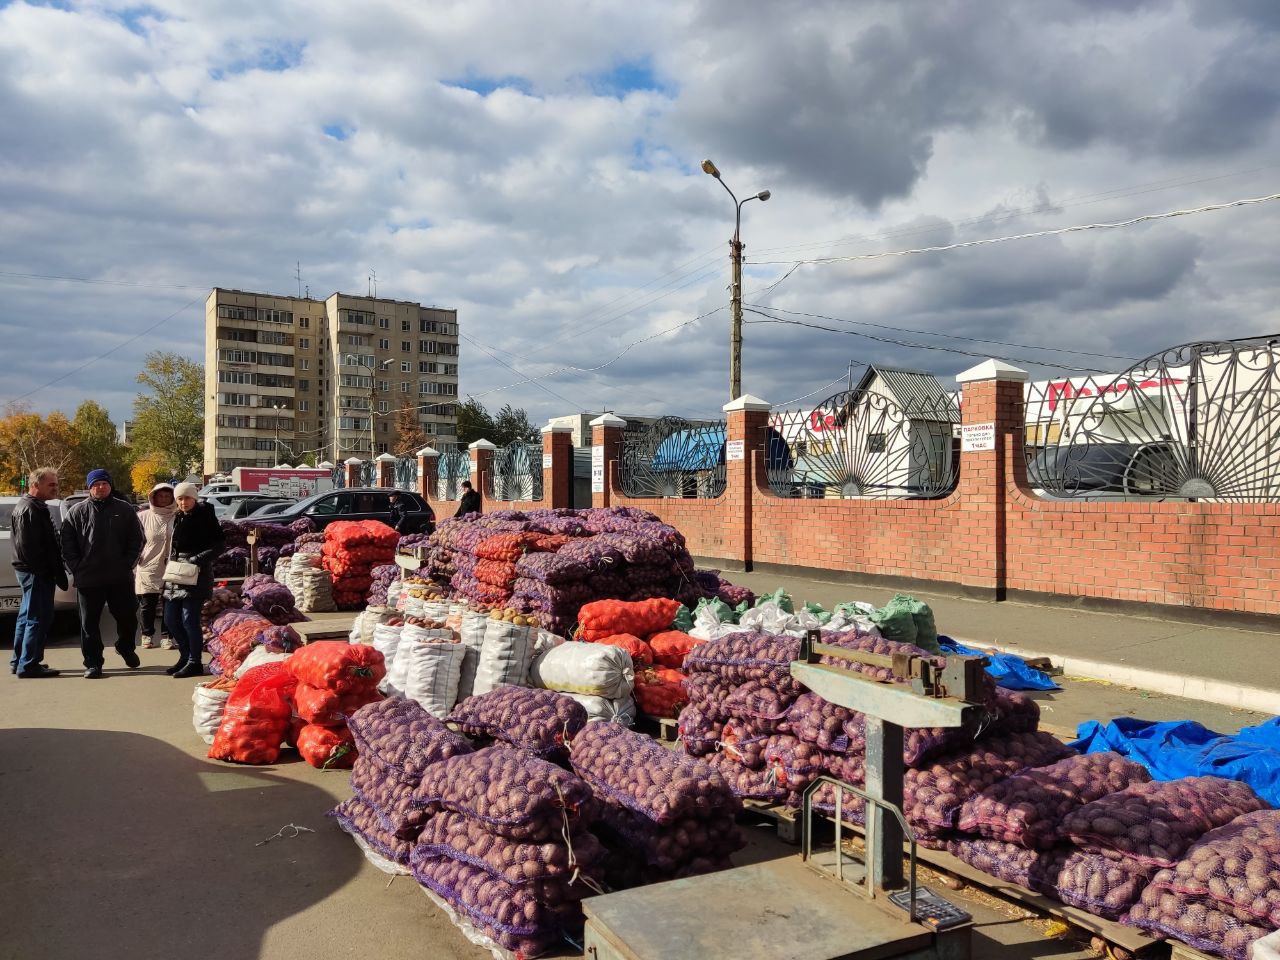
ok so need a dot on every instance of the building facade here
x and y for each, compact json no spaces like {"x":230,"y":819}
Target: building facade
{"x":293,"y":379}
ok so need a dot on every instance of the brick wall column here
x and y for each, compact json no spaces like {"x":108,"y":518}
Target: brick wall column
{"x":557,"y":475}
{"x":606,"y":441}
{"x":481,"y":467}
{"x":991,"y":418}
{"x":386,"y":472}
{"x":352,"y":467}
{"x":745,"y":443}
{"x":428,"y":460}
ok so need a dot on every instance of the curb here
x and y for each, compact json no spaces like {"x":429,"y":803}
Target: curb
{"x":1225,"y":694}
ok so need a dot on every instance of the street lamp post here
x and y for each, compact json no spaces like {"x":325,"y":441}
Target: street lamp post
{"x":373,"y":389}
{"x":735,"y":289}
{"x":276,"y":422}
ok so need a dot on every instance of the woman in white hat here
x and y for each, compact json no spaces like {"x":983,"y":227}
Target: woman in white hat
{"x":148,"y":576}
{"x":197,"y":538}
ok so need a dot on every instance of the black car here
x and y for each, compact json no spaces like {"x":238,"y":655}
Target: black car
{"x":360,"y":503}
{"x":249,"y":505}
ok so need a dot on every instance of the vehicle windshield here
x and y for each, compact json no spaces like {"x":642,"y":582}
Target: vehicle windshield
{"x":6,"y":515}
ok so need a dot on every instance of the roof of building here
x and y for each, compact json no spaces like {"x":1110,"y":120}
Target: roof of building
{"x":919,"y":395}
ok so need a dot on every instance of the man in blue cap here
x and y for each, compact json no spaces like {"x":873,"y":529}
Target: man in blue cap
{"x":101,"y":543}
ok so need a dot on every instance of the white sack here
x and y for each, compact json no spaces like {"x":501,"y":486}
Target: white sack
{"x":593,"y":669}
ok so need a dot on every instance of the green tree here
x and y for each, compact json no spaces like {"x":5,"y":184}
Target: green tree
{"x":99,"y":445}
{"x":511,"y":425}
{"x":474,"y":422}
{"x":168,"y":416}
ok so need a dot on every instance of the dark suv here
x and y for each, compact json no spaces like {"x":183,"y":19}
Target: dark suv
{"x":359,"y":503}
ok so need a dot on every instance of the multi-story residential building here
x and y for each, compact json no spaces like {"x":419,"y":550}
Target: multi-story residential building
{"x":290,"y":379}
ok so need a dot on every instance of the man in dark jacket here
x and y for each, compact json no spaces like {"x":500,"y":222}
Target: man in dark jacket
{"x":470,"y":502}
{"x":37,"y":558}
{"x":400,"y":521}
{"x":101,"y":543}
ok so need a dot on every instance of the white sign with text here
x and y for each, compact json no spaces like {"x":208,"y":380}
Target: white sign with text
{"x":978,"y":436}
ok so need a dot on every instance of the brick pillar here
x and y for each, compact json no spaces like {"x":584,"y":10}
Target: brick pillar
{"x":481,"y":466}
{"x":557,"y":472}
{"x":606,"y":451}
{"x":428,"y":461}
{"x":745,"y":436}
{"x":991,"y":417}
{"x":352,"y":466}
{"x":386,"y":464}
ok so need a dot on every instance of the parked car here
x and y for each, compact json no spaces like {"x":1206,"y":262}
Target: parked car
{"x":1105,"y":471}
{"x":225,"y":504}
{"x":213,"y":489}
{"x":251,"y":505}
{"x":10,"y":592}
{"x":359,"y":503}
{"x":268,"y":510}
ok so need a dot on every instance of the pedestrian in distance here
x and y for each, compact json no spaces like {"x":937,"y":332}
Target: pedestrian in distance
{"x":399,"y":513}
{"x":470,"y":502}
{"x":37,"y":558}
{"x":148,"y":578}
{"x":197,"y":540}
{"x":101,"y":543}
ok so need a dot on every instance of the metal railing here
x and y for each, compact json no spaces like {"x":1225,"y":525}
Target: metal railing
{"x":452,"y":467}
{"x":862,"y":445}
{"x":516,"y":471}
{"x":1200,"y":421}
{"x":673,"y":458}
{"x":368,"y":473}
{"x":339,"y":476}
{"x":406,"y":473}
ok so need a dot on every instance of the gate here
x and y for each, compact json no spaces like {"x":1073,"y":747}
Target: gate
{"x":516,"y":472}
{"x":673,"y":458}
{"x":406,"y":474}
{"x":452,"y":467}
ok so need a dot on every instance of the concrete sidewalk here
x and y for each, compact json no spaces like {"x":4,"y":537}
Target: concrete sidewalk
{"x":1237,"y":667}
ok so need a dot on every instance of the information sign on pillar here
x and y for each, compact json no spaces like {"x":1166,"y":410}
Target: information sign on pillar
{"x":606,"y":448}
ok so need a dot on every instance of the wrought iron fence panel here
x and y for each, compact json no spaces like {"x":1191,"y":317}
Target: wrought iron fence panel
{"x":863,"y":445}
{"x":516,"y":471}
{"x":368,"y":473}
{"x":452,"y":467}
{"x":673,"y":458}
{"x":1200,"y":421}
{"x":339,"y":476}
{"x":406,"y":473}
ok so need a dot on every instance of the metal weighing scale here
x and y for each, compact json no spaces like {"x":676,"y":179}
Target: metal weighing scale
{"x":819,"y":905}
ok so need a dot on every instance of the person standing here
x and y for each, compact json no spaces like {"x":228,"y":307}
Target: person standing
{"x":198,"y":539}
{"x":470,"y":502}
{"x":148,"y":579}
{"x":399,"y":513}
{"x":37,"y":558}
{"x":101,"y":543}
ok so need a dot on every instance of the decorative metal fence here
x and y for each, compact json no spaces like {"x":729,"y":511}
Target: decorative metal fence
{"x":516,"y":473}
{"x":406,"y":473}
{"x":673,"y":458}
{"x":339,"y":477}
{"x":863,"y":445}
{"x":1199,"y":421}
{"x":452,"y":467}
{"x":368,"y":473}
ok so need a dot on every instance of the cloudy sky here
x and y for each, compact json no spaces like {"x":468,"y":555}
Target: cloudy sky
{"x":536,"y":166}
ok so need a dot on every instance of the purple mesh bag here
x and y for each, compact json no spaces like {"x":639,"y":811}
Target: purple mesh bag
{"x":1028,"y":809}
{"x":824,"y":724}
{"x":1194,"y":921}
{"x":793,"y":763}
{"x":667,"y":849}
{"x":514,"y":794}
{"x":390,"y":798}
{"x":708,"y":693}
{"x":635,"y":772}
{"x":356,"y":817}
{"x":402,"y":738}
{"x":739,"y":657}
{"x":539,"y":721}
{"x":764,"y":703}
{"x":746,"y":783}
{"x":743,"y":743}
{"x":1156,"y":823}
{"x":698,"y":734}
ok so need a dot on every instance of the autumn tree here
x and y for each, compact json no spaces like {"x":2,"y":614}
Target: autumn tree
{"x":410,"y":437}
{"x":147,"y":471}
{"x":168,"y":416}
{"x":28,"y":440}
{"x":99,"y":443}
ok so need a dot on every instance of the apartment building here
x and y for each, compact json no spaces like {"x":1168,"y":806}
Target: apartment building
{"x":290,"y":379}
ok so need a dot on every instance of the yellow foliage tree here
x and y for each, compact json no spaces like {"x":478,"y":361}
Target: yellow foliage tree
{"x":28,"y":440}
{"x":147,"y":472}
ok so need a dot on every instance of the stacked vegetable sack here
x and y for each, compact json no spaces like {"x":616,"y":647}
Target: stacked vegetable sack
{"x":351,"y":550}
{"x":1194,"y":858}
{"x":275,"y":540}
{"x":258,"y":614}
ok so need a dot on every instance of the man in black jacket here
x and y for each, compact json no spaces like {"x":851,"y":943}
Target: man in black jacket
{"x":399,"y":514}
{"x":101,"y":543}
{"x":470,"y":502}
{"x":37,"y":558}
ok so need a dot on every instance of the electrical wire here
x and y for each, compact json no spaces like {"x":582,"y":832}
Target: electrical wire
{"x":843,"y":376}
{"x":112,"y":283}
{"x":1059,"y":231}
{"x":949,"y":336}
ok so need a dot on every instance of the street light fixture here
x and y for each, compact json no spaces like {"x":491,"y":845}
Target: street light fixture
{"x":735,"y":289}
{"x":276,"y":422}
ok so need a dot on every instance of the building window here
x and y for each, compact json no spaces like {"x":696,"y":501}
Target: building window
{"x":405,"y":326}
{"x":351,"y":380}
{"x":406,"y":366}
{"x":384,"y":344}
{"x":384,"y":322}
{"x":450,"y":369}
{"x":382,"y":448}
{"x":304,"y":323}
{"x":304,"y":364}
{"x":383,"y":386}
{"x":406,"y":346}
{"x":237,"y":313}
{"x":304,"y":405}
{"x":304,"y":385}
{"x":235,"y":376}
{"x":423,"y":366}
{"x":304,"y":343}
{"x":384,"y":406}
{"x":234,"y":399}
{"x":405,"y":387}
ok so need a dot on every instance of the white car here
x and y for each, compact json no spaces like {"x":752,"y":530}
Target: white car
{"x":10,"y":592}
{"x":216,"y":489}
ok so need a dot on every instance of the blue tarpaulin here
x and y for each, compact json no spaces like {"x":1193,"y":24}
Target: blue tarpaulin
{"x":1184,"y":748}
{"x":1009,"y":671}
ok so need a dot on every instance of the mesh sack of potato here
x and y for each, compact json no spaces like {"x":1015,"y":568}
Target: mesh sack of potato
{"x":390,"y":798}
{"x":667,"y":849}
{"x":539,"y":721}
{"x":793,"y":763}
{"x":739,"y":657}
{"x":824,"y":724}
{"x":512,"y":917}
{"x":554,"y":870}
{"x":635,"y":772}
{"x":1195,"y":921}
{"x":746,"y":783}
{"x":743,"y":743}
{"x":698,"y":734}
{"x":708,"y":692}
{"x":512,"y":793}
{"x":402,"y":738}
{"x":933,"y":794}
{"x":763,"y":704}
{"x":1235,"y":867}
{"x":358,"y":818}
{"x":1028,"y":809}
{"x":1157,"y":822}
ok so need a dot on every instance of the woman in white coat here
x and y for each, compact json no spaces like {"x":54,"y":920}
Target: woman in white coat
{"x":148,"y":576}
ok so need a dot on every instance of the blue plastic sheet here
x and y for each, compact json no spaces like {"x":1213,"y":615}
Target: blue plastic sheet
{"x":1183,"y":748}
{"x":1008,"y":670}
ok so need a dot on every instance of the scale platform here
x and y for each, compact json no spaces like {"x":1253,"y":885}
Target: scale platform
{"x":777,"y":910}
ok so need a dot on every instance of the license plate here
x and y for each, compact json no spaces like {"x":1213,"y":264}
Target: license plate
{"x":10,"y":603}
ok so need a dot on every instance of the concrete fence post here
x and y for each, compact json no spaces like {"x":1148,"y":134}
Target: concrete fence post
{"x":386,"y":470}
{"x":745,"y":436}
{"x":606,"y":451}
{"x":352,"y":465}
{"x":557,"y":466}
{"x":481,"y":468}
{"x":428,"y":458}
